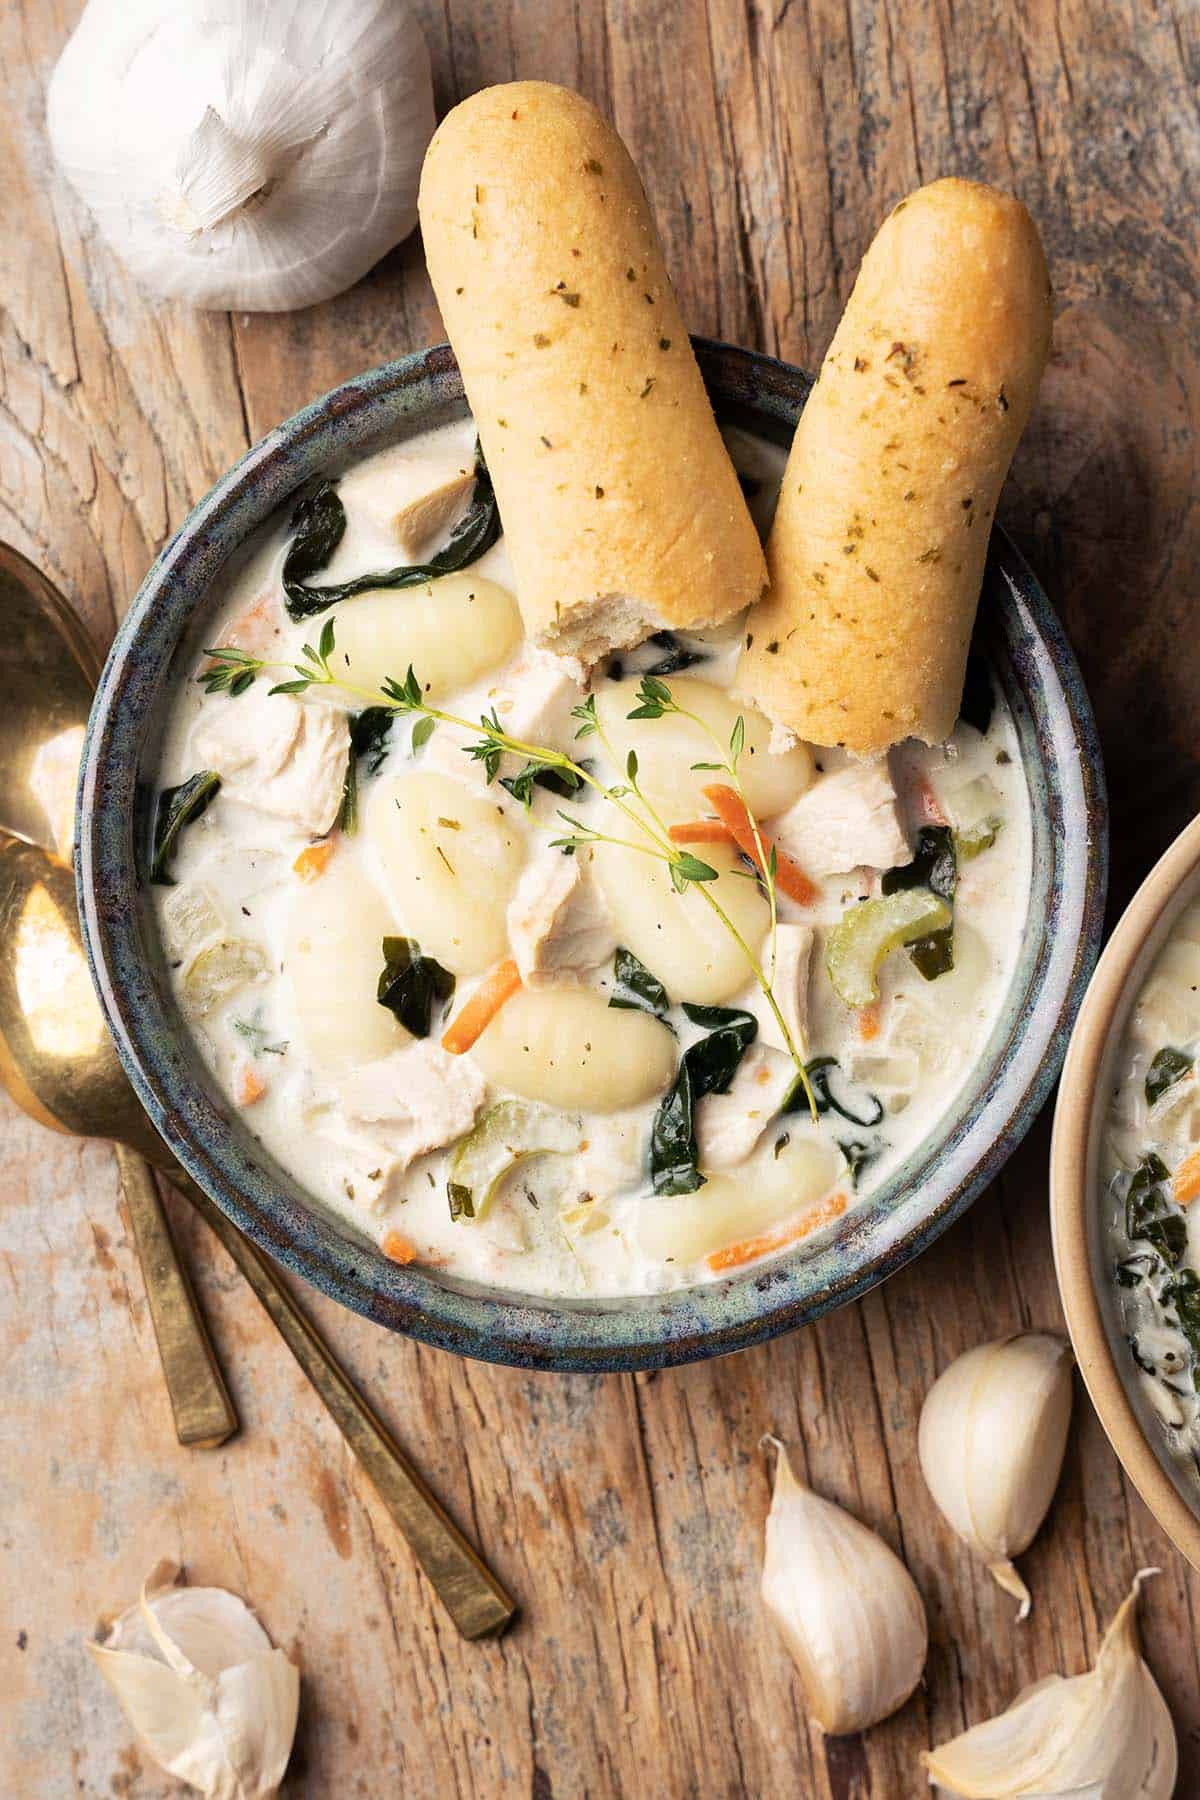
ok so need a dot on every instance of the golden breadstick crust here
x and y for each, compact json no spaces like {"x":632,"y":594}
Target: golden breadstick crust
{"x":877,"y":551}
{"x":620,"y":505}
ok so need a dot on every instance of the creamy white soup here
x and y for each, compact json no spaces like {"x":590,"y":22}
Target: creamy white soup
{"x":568,"y":1001}
{"x":1150,"y":1177}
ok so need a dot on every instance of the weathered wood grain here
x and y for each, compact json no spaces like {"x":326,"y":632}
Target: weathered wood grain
{"x":627,"y":1513}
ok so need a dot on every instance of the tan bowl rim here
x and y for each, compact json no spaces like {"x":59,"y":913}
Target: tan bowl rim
{"x":1070,"y":1198}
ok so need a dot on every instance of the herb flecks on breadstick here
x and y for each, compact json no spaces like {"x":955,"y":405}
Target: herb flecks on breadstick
{"x":877,"y":551}
{"x":622,"y":511}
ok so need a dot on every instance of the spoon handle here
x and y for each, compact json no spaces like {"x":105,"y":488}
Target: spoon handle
{"x":465,"y":1585}
{"x":204,"y":1415}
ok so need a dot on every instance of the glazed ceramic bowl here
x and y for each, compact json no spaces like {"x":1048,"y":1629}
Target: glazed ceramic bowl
{"x":1011,"y":1079}
{"x":1084,"y":1276}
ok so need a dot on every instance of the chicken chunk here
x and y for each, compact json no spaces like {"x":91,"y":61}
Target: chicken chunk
{"x":534,"y":701}
{"x":286,"y":758}
{"x":415,"y":500}
{"x":793,"y":957}
{"x":416,"y":1100}
{"x":729,"y":1125}
{"x":558,"y":923}
{"x":846,"y":820}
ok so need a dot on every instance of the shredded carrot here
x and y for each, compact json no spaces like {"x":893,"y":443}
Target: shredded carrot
{"x":868,"y":1022}
{"x":790,"y":878}
{"x":1186,"y":1185}
{"x":398,"y":1248}
{"x":734,"y":1255}
{"x":250,"y":1086}
{"x":929,"y":807}
{"x":482,"y":1008}
{"x":701,"y":831}
{"x":314,"y":860}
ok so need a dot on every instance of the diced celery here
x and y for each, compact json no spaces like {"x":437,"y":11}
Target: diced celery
{"x":218,"y":973}
{"x":867,"y":933}
{"x":506,"y":1135}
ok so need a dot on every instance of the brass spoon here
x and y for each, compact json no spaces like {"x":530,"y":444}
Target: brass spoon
{"x":48,"y":669}
{"x":59,"y":1063}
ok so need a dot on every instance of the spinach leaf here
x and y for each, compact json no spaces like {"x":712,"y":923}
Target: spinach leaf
{"x":1131,"y":1271}
{"x":368,"y":739}
{"x":979,"y":696}
{"x":319,"y":523}
{"x":934,"y":865}
{"x":820,"y":1072}
{"x":411,"y":984}
{"x":859,"y":1155}
{"x":723,"y":1018}
{"x":1183,"y":1293}
{"x":369,"y":735}
{"x":1149,"y":1217}
{"x":563,"y":782}
{"x":177,"y":807}
{"x":635,"y":989}
{"x":707,"y":1067}
{"x":678,"y":654}
{"x":1168,"y":1067}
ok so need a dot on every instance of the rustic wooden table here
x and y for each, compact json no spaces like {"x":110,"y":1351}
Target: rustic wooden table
{"x":625,"y":1512}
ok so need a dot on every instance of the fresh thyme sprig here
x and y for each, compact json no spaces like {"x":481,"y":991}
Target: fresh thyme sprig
{"x":231,"y":671}
{"x":234,"y":670}
{"x":656,"y":700}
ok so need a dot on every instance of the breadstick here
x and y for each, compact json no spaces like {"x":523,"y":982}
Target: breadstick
{"x":877,"y":551}
{"x":620,"y":505}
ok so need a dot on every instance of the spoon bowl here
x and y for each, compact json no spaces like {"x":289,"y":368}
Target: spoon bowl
{"x":57,"y":1059}
{"x":48,"y":671}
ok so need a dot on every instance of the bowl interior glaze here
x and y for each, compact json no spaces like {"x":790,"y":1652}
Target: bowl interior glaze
{"x":1004,"y":1091}
{"x":1081,"y":1262}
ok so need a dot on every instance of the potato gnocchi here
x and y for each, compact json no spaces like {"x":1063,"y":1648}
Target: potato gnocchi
{"x":527,"y":1028}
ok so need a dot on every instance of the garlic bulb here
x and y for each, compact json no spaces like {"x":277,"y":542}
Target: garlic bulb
{"x":848,"y":1609}
{"x":1106,"y":1735}
{"x":256,"y":154}
{"x":219,"y":1709}
{"x":991,"y":1441}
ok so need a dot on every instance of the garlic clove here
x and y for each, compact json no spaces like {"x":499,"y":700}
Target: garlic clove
{"x":220,"y":1711}
{"x":991,"y":1442}
{"x":847,"y":1608}
{"x":1105,"y":1735}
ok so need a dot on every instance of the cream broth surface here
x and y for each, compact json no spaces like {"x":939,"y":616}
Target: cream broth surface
{"x":275,"y":925}
{"x":1150,"y":1177}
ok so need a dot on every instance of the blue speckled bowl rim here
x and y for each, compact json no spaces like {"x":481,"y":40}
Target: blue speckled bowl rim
{"x":1016,"y":1071}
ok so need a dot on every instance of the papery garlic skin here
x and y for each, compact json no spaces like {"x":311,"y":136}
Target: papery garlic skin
{"x":991,"y":1442}
{"x":847,"y":1608}
{"x":220,"y":1710}
{"x":1106,"y":1735}
{"x":252,"y":154}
